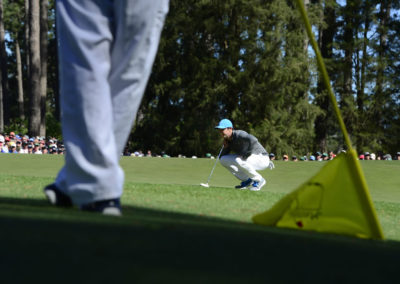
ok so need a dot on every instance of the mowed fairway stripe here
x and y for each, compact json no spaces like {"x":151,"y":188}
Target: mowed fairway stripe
{"x":382,"y":176}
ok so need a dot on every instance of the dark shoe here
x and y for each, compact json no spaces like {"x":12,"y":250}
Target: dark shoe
{"x":106,"y":207}
{"x":57,"y":197}
{"x":244,"y":184}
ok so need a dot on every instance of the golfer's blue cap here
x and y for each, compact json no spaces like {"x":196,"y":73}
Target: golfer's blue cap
{"x":225,"y":123}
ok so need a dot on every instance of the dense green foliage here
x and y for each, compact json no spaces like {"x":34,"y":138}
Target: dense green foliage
{"x":249,"y":60}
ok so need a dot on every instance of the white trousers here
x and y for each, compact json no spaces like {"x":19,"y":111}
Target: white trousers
{"x":244,"y":169}
{"x":106,"y":52}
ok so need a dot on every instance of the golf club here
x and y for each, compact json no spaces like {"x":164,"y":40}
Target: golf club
{"x":209,"y":177}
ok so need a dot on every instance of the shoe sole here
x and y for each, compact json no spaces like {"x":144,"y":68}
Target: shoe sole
{"x":111,"y":211}
{"x":57,"y":198}
{"x":51,"y":196}
{"x":109,"y":207}
{"x":243,"y":187}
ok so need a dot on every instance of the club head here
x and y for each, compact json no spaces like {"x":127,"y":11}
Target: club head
{"x":204,"y":184}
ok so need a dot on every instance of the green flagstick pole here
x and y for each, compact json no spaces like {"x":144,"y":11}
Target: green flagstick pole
{"x":363,"y":190}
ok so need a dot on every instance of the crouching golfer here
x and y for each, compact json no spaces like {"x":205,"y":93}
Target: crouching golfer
{"x":248,"y":157}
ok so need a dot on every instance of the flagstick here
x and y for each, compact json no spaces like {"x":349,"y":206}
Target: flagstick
{"x":364,"y":193}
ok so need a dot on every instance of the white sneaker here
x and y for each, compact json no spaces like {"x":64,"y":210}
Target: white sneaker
{"x":257,"y":185}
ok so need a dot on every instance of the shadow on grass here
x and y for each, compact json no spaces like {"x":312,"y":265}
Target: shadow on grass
{"x":39,"y":242}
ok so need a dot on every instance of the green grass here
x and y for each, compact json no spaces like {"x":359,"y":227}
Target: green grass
{"x":173,"y":230}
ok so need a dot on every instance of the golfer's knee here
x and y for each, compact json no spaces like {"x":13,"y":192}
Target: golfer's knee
{"x":224,"y":161}
{"x":239,"y":161}
{"x":228,"y":162}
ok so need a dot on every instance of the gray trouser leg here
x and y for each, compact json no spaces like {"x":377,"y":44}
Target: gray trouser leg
{"x":106,"y":51}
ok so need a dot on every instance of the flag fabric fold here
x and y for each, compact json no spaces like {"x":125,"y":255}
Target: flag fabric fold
{"x":336,"y":200}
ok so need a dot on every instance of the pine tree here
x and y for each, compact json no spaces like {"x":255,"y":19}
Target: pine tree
{"x":244,"y":60}
{"x":34,"y":79}
{"x":3,"y":72}
{"x":325,"y":124}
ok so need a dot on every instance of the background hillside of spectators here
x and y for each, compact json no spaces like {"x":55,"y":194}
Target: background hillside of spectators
{"x":11,"y":143}
{"x":23,"y":144}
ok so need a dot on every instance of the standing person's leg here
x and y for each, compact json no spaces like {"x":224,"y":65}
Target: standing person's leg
{"x":91,"y":172}
{"x":138,"y":28}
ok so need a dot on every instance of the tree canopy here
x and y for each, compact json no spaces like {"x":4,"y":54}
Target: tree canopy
{"x":249,"y":61}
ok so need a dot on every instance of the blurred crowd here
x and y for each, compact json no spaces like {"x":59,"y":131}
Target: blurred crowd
{"x":318,"y":156}
{"x":23,"y":144}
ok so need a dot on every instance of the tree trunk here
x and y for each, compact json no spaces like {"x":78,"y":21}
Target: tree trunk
{"x":27,"y":32}
{"x":34,"y":80}
{"x":1,"y":105}
{"x":21,"y":110}
{"x":326,"y":47}
{"x":306,"y":40}
{"x":4,"y":116}
{"x":362,"y":61}
{"x":43,"y":60}
{"x":1,"y":69}
{"x":384,"y":16}
{"x":347,"y":98}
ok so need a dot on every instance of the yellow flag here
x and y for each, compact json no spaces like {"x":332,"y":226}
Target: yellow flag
{"x":336,"y":200}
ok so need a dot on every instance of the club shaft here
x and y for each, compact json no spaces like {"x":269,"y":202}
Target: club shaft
{"x":216,"y":161}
